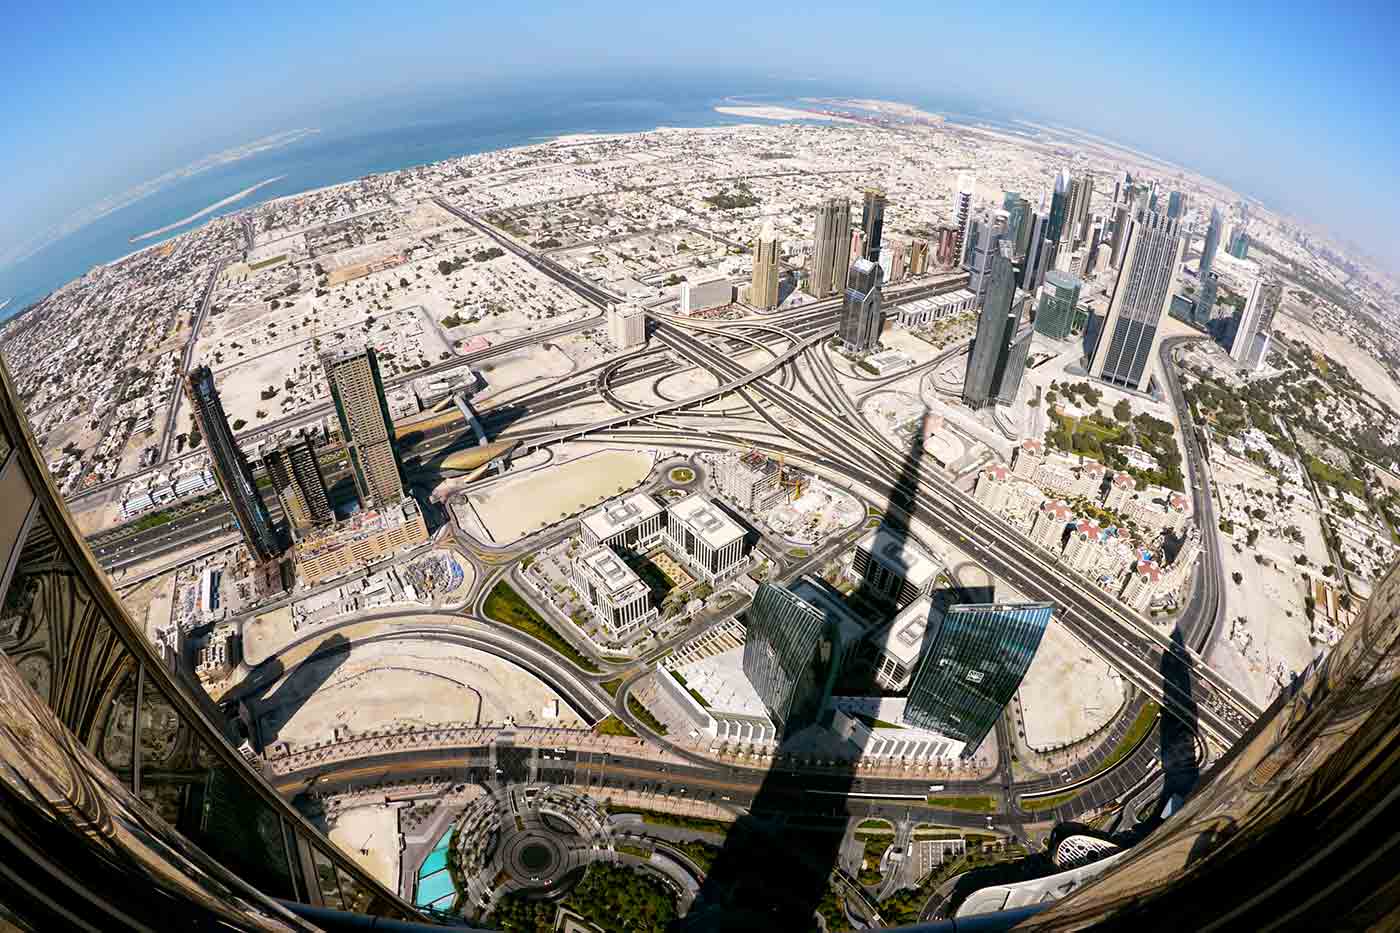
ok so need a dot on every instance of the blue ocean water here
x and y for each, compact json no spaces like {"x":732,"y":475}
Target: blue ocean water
{"x":429,"y":131}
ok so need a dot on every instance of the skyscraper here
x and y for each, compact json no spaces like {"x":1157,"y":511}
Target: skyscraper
{"x":1176,"y":205}
{"x":1059,"y":297}
{"x":872,"y":223}
{"x":861,"y":318}
{"x":972,"y":667}
{"x":1059,"y":211}
{"x":1239,"y":243}
{"x":1142,"y":294}
{"x":1205,"y":298}
{"x":962,"y":216}
{"x":1018,"y":222}
{"x":996,"y":328}
{"x":1007,"y":380}
{"x":1212,"y":242}
{"x":230,"y":466}
{"x":1256,"y":323}
{"x":365,"y":426}
{"x":763,"y":290}
{"x":831,"y":248}
{"x":1081,"y":193}
{"x":299,"y":484}
{"x":1122,"y":220}
{"x":792,"y":655}
{"x":984,"y":234}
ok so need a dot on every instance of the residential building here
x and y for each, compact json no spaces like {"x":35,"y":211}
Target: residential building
{"x":1142,"y":585}
{"x":793,"y":653}
{"x":231,"y":467}
{"x":976,"y":658}
{"x":751,"y":480}
{"x":861,"y":317}
{"x":872,"y":223}
{"x":763,"y":291}
{"x":364,"y":538}
{"x":631,"y":524}
{"x":1059,"y":301}
{"x":918,"y":257}
{"x":993,"y":487}
{"x":1082,"y":549}
{"x":1120,"y":489}
{"x":627,"y":325}
{"x":297,"y":479}
{"x":962,"y":217}
{"x":1081,"y":194}
{"x":365,"y":425}
{"x":614,"y":593}
{"x":1121,"y":350}
{"x":1029,"y":456}
{"x":1050,"y":523}
{"x":892,"y":567}
{"x":705,"y":294}
{"x":706,"y":539}
{"x":946,"y":251}
{"x":831,"y":248}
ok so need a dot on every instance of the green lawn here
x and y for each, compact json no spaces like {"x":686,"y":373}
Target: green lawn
{"x":612,"y":686}
{"x":876,"y":824}
{"x":614,"y":726}
{"x":976,"y":804}
{"x":657,"y":818}
{"x":635,"y":707}
{"x":505,"y":605}
{"x":682,"y":475}
{"x":1048,"y":803}
{"x":1146,"y":718}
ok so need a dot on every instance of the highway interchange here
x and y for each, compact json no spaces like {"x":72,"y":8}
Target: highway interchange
{"x":797,"y":408}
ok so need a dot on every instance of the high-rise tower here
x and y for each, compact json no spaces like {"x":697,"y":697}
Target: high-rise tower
{"x":1081,"y":193}
{"x":962,"y":215}
{"x":1256,"y":323}
{"x":976,"y":658}
{"x":365,"y":426}
{"x":861,"y":318}
{"x":230,"y":466}
{"x":872,"y":223}
{"x":763,"y":290}
{"x":1212,"y":242}
{"x":1176,"y":205}
{"x":1142,"y":293}
{"x":299,"y":484}
{"x":1018,"y":222}
{"x":831,"y":248}
{"x":985,"y":233}
{"x":792,"y":655}
{"x":1059,"y":298}
{"x":992,"y":355}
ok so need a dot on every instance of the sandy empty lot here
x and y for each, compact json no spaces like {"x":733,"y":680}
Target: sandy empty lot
{"x":514,"y":508}
{"x":1068,"y":693}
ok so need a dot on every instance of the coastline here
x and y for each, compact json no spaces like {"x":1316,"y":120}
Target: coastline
{"x":205,"y":212}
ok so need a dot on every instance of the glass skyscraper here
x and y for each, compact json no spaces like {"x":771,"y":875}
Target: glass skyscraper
{"x":972,"y":667}
{"x":792,"y":655}
{"x":1059,"y":299}
{"x":1142,"y":294}
{"x":861,"y":318}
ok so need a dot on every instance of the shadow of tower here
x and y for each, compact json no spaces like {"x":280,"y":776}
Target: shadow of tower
{"x":1180,"y":735}
{"x":781,"y":861}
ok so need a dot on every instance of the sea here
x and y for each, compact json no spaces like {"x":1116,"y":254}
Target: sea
{"x":356,"y":142}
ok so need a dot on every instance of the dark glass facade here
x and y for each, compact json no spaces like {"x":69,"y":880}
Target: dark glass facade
{"x":121,"y":797}
{"x":791,"y":654}
{"x":974,"y":662}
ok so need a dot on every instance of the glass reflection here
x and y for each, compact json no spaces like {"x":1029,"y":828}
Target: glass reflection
{"x":326,"y":879}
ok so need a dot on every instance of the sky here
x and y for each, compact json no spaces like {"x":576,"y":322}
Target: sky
{"x":1294,"y":106}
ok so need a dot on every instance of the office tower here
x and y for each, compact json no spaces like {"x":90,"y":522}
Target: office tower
{"x":1256,"y":322}
{"x":831,"y":248}
{"x":1059,"y":301}
{"x":1081,"y":193}
{"x":1018,"y":226}
{"x":996,"y":327}
{"x":1117,"y":191}
{"x":1033,"y":266}
{"x":627,"y":325}
{"x":1239,"y":243}
{"x":861,"y":318}
{"x":1212,"y":242}
{"x":1205,"y":298}
{"x":977,"y":655}
{"x":763,"y":290}
{"x":127,"y":801}
{"x":365,"y":427}
{"x":948,"y":252}
{"x":1142,"y":293}
{"x":1007,"y":379}
{"x":889,"y":567}
{"x":1122,"y":220}
{"x":230,"y":466}
{"x":706,"y":539}
{"x":1176,"y":205}
{"x":985,"y":233}
{"x":615,"y":595}
{"x":962,"y":216}
{"x":299,"y":484}
{"x":792,"y":655}
{"x":1059,"y":211}
{"x":872,"y":223}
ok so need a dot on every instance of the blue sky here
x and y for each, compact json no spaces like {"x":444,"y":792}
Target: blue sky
{"x":1295,"y":106}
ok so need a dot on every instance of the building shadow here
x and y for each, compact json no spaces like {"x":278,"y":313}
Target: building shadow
{"x":1180,"y":743}
{"x":265,"y":713}
{"x":781,"y":862}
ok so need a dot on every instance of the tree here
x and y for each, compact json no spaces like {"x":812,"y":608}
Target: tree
{"x":403,"y":283}
{"x":1123,"y":411}
{"x":1237,"y":577}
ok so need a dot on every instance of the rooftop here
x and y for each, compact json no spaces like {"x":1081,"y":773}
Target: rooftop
{"x":620,"y":514}
{"x":901,"y":555}
{"x":610,"y":571}
{"x":707,"y":520}
{"x":903,"y":639}
{"x":830,"y":604}
{"x":360,"y":525}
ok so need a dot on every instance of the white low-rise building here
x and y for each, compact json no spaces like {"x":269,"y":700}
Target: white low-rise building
{"x":631,"y":523}
{"x":613,"y":591}
{"x":706,"y":539}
